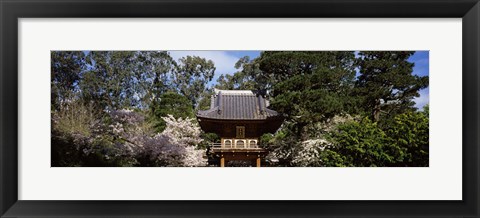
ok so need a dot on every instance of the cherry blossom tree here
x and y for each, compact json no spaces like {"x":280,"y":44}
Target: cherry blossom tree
{"x":177,"y":145}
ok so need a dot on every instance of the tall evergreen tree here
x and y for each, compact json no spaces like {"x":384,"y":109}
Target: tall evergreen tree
{"x":386,"y":83}
{"x":308,"y":87}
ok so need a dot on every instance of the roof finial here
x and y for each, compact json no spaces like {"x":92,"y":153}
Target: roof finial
{"x":261,"y":107}
{"x":219,"y":99}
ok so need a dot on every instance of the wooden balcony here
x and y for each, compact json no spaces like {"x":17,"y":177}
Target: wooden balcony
{"x":240,"y":144}
{"x":238,"y":149}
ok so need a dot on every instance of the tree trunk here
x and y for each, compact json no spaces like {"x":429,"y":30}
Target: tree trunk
{"x":376,"y":111}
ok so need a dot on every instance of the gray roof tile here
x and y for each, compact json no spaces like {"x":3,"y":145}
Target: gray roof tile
{"x":238,"y":105}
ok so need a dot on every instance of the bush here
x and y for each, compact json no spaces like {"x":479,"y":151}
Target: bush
{"x":410,"y":131}
{"x":123,"y":138}
{"x":75,"y":117}
{"x":364,"y":144}
{"x":405,"y":142}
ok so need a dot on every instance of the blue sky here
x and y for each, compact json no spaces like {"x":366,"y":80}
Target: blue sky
{"x":225,"y":62}
{"x":421,"y":68}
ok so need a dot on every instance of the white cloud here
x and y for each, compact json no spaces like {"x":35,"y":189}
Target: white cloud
{"x":224,"y":62}
{"x":423,"y":99}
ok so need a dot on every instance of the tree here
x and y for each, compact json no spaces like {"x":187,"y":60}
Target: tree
{"x":308,"y":87}
{"x":283,"y":146}
{"x":237,"y":81}
{"x":125,"y":139}
{"x":80,"y":137}
{"x":136,"y":108}
{"x":176,"y":146}
{"x":225,"y":82}
{"x":205,"y":99}
{"x":109,"y":81}
{"x":386,"y":83}
{"x":192,"y":75}
{"x":66,"y":70}
{"x":185,"y":135}
{"x":244,"y":79}
{"x":169,"y":103}
{"x":152,"y":71}
{"x":119,"y":79}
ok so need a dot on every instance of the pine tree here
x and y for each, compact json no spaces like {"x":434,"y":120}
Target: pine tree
{"x":309,"y":87}
{"x":386,"y":83}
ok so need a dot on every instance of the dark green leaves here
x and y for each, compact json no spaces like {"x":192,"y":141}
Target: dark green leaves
{"x":386,"y":84}
{"x":363,"y":143}
{"x":169,"y":103}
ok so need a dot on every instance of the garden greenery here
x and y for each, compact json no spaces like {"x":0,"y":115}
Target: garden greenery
{"x":136,"y":108}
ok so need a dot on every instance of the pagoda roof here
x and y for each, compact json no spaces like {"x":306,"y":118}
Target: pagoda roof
{"x":238,"y":105}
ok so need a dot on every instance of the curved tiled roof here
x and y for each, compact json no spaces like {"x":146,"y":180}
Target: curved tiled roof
{"x":238,"y":105}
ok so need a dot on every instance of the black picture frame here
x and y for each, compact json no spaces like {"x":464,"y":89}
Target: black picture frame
{"x":11,"y":11}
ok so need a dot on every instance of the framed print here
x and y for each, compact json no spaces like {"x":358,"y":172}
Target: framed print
{"x":226,"y":108}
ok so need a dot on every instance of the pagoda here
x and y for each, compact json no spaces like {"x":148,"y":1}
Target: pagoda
{"x":239,"y":118}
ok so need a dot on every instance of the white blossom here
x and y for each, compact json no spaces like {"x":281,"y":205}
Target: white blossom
{"x":177,"y":145}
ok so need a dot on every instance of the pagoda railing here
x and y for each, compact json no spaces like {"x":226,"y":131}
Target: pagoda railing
{"x":236,"y":144}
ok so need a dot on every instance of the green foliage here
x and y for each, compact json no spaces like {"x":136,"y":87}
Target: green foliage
{"x":330,"y":158}
{"x":205,"y":99}
{"x":122,"y":79}
{"x":311,"y":89}
{"x":66,"y":70}
{"x":410,"y":131}
{"x":208,"y":138}
{"x":109,"y":81}
{"x":309,"y":86}
{"x":282,"y":146}
{"x":88,"y":86}
{"x":76,"y":151}
{"x":245,"y":79}
{"x":364,"y":144}
{"x":386,"y":83}
{"x":76,"y":142}
{"x":191,"y":76}
{"x":361,"y":144}
{"x":113,"y":80}
{"x":426,"y":110}
{"x":169,"y":103}
{"x":152,"y":69}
